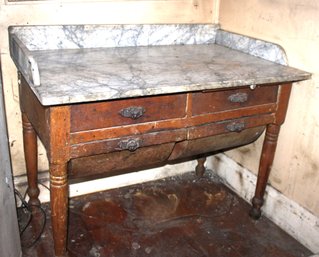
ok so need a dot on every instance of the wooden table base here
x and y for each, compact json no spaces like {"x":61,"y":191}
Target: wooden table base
{"x":53,"y":125}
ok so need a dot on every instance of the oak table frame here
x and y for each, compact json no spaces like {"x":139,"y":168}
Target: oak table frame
{"x":59,"y":128}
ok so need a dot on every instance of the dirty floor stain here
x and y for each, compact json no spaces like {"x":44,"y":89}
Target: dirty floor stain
{"x":182,"y":216}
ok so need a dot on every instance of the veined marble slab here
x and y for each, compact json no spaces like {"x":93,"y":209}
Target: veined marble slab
{"x":81,"y":63}
{"x":82,"y":75}
{"x":256,"y":47}
{"x":25,"y":39}
{"x":93,"y":36}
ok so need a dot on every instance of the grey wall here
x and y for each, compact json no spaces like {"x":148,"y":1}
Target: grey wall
{"x":9,"y":234}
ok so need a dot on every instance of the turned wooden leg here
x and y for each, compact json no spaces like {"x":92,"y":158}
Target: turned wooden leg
{"x":266,"y":160}
{"x":200,"y":168}
{"x":31,"y":159}
{"x":59,"y":206}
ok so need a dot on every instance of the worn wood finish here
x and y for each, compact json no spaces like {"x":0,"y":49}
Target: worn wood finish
{"x":88,"y":140}
{"x":108,"y":114}
{"x":121,"y":131}
{"x":211,"y":144}
{"x":59,"y":206}
{"x":211,"y":102}
{"x":266,"y":160}
{"x":37,"y":114}
{"x":111,"y":145}
{"x":283,"y":101}
{"x":31,"y":157}
{"x":268,"y":150}
{"x":223,"y":127}
{"x":189,"y":121}
{"x":58,"y":158}
{"x":233,"y":114}
{"x":120,"y":161}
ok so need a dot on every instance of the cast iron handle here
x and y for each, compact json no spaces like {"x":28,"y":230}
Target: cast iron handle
{"x":236,"y":126}
{"x":238,"y":98}
{"x":133,"y":112}
{"x":130,"y":144}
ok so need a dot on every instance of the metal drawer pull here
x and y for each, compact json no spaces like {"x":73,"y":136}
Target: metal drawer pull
{"x":238,"y":98}
{"x":236,"y":126}
{"x":133,"y":112}
{"x":129,"y":144}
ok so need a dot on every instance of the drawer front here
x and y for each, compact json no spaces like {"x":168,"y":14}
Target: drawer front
{"x":229,"y":126}
{"x":218,"y":101}
{"x":129,"y":143}
{"x":127,"y":111}
{"x":114,"y":162}
{"x":214,"y":143}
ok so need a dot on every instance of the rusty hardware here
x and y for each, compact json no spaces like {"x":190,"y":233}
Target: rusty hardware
{"x":238,"y":98}
{"x":130,"y":144}
{"x":133,"y":112}
{"x":235,"y":126}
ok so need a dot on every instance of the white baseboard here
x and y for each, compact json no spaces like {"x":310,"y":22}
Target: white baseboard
{"x":98,"y":185}
{"x":288,"y":215}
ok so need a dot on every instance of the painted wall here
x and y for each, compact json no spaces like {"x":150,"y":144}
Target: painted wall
{"x":293,"y":24}
{"x":81,"y":12}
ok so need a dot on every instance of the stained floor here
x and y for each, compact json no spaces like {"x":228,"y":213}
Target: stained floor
{"x":182,"y":216}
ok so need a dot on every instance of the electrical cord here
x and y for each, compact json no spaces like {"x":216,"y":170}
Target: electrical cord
{"x":26,"y":208}
{"x":41,"y":230}
{"x":45,"y":186}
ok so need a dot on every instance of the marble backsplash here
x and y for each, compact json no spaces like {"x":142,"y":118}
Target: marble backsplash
{"x":94,"y":36}
{"x":256,"y":47}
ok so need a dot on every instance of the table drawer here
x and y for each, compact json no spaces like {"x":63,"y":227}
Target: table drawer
{"x":229,"y":126}
{"x":127,"y":111}
{"x":130,"y":143}
{"x":218,"y":101}
{"x":121,"y":161}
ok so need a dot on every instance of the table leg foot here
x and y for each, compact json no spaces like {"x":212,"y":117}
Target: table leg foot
{"x":200,"y":167}
{"x":255,"y":211}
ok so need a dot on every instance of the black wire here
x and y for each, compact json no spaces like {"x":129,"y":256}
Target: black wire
{"x":44,"y":186}
{"x":24,"y":203}
{"x":25,"y":206}
{"x":42,"y":228}
{"x":26,"y":225}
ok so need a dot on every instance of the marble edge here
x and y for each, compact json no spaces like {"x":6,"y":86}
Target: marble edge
{"x":24,"y":60}
{"x":47,"y":100}
{"x":41,"y":37}
{"x":256,"y":47}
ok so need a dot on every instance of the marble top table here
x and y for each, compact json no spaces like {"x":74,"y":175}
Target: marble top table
{"x":64,"y":75}
{"x":74,"y":70}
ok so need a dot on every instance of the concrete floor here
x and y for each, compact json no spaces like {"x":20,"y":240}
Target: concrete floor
{"x":181,"y":216}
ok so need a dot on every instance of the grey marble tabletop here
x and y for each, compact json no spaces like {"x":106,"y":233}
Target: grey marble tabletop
{"x":93,"y":74}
